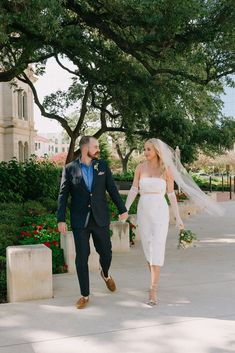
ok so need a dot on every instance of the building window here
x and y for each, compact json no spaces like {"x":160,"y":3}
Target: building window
{"x":21,"y":151}
{"x":25,"y":106}
{"x":56,"y":150}
{"x":36,"y":146}
{"x":39,"y":145}
{"x":56,"y":141}
{"x":22,"y":104}
{"x":26,"y":151}
{"x":63,"y":149}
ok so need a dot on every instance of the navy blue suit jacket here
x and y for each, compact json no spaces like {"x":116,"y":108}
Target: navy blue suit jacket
{"x":82,"y":200}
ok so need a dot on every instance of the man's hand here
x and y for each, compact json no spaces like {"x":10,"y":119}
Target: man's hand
{"x":62,"y":227}
{"x":123,"y":217}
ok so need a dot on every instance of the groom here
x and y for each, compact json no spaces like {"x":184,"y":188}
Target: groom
{"x":86,"y":179}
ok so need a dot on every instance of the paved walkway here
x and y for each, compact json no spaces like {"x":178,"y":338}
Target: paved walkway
{"x":196,"y":313}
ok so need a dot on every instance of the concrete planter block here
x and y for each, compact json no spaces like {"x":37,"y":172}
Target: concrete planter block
{"x":120,"y":237}
{"x":29,"y":272}
{"x":67,"y":244}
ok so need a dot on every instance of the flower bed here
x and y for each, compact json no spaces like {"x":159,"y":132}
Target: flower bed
{"x":43,"y":230}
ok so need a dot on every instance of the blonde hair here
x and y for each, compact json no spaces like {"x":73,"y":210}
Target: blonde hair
{"x":163,"y":167}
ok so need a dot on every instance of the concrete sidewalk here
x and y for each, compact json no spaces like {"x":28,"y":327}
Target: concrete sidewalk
{"x":196,"y":313}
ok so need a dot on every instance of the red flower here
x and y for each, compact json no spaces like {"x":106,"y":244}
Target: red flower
{"x":56,"y":243}
{"x":35,"y":232}
{"x":26,"y":234}
{"x":39,"y":227}
{"x":47,"y":243}
{"x":34,"y":225}
{"x":57,"y":230}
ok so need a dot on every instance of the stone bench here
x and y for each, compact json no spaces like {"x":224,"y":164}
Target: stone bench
{"x":29,"y":272}
{"x":120,"y":236}
{"x":120,"y":243}
{"x":67,"y":244}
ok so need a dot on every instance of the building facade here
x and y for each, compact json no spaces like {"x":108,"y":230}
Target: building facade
{"x":43,"y":146}
{"x":17,"y":133}
{"x":59,"y":141}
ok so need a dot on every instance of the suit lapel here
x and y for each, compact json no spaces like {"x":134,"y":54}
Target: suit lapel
{"x":95,"y":174}
{"x":80,"y":177}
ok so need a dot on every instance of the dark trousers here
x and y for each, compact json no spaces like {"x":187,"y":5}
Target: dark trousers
{"x":102,"y":243}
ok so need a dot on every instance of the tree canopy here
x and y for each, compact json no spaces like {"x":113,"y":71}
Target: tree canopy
{"x":151,"y":67}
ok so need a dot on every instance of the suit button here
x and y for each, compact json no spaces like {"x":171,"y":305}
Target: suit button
{"x":90,"y":194}
{"x":89,"y":205}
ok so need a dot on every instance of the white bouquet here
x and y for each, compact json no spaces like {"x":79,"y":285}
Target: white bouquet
{"x":186,"y":238}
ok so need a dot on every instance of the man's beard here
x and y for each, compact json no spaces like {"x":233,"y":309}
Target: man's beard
{"x":93,"y":156}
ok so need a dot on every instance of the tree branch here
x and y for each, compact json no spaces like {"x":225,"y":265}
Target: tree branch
{"x":61,"y":120}
{"x":83,"y":111}
{"x":64,"y":67}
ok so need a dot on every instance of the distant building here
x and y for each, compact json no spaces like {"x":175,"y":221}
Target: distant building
{"x":43,"y":146}
{"x":59,"y":142}
{"x":17,"y":131}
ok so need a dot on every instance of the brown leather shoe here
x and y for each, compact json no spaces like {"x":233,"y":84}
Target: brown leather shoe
{"x":110,"y":284}
{"x":82,"y":303}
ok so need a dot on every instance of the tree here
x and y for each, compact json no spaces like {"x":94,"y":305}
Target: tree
{"x":124,"y":146}
{"x":137,"y":57}
{"x":168,"y":38}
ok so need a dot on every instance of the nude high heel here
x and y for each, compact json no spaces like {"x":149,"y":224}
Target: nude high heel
{"x":152,"y":296}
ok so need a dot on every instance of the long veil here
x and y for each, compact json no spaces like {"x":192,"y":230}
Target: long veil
{"x":184,"y":180}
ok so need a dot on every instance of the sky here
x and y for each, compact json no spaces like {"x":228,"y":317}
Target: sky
{"x":56,"y":78}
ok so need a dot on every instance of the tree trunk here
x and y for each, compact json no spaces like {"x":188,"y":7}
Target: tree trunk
{"x":124,"y":164}
{"x":71,"y":156}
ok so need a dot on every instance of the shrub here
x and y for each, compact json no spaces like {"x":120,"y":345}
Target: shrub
{"x":42,"y":179}
{"x":11,"y":213}
{"x":43,"y":229}
{"x":128,"y":176}
{"x":9,"y":236}
{"x":30,"y":180}
{"x":49,"y":204}
{"x":3,"y":280}
{"x":34,"y":208}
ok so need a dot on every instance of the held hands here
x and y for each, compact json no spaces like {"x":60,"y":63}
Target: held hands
{"x":62,"y":227}
{"x":123,"y":217}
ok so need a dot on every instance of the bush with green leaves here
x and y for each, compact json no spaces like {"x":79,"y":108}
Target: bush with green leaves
{"x":16,"y":218}
{"x":42,"y":229}
{"x":29,"y":180}
{"x":128,"y":176}
{"x":3,"y":280}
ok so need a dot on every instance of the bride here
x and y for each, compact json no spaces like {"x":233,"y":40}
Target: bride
{"x":153,"y":179}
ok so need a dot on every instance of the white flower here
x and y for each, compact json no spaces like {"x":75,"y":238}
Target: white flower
{"x":96,"y":166}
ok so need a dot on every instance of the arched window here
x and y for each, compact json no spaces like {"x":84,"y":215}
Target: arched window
{"x":21,"y":151}
{"x":25,"y":106}
{"x":22,"y":104}
{"x":26,"y":151}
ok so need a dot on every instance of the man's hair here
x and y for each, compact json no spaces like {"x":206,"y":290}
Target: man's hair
{"x":84,"y":141}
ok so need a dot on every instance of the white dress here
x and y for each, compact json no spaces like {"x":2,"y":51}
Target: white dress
{"x":153,"y":218}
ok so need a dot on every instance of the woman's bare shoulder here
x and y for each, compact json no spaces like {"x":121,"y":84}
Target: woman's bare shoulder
{"x":140,"y":166}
